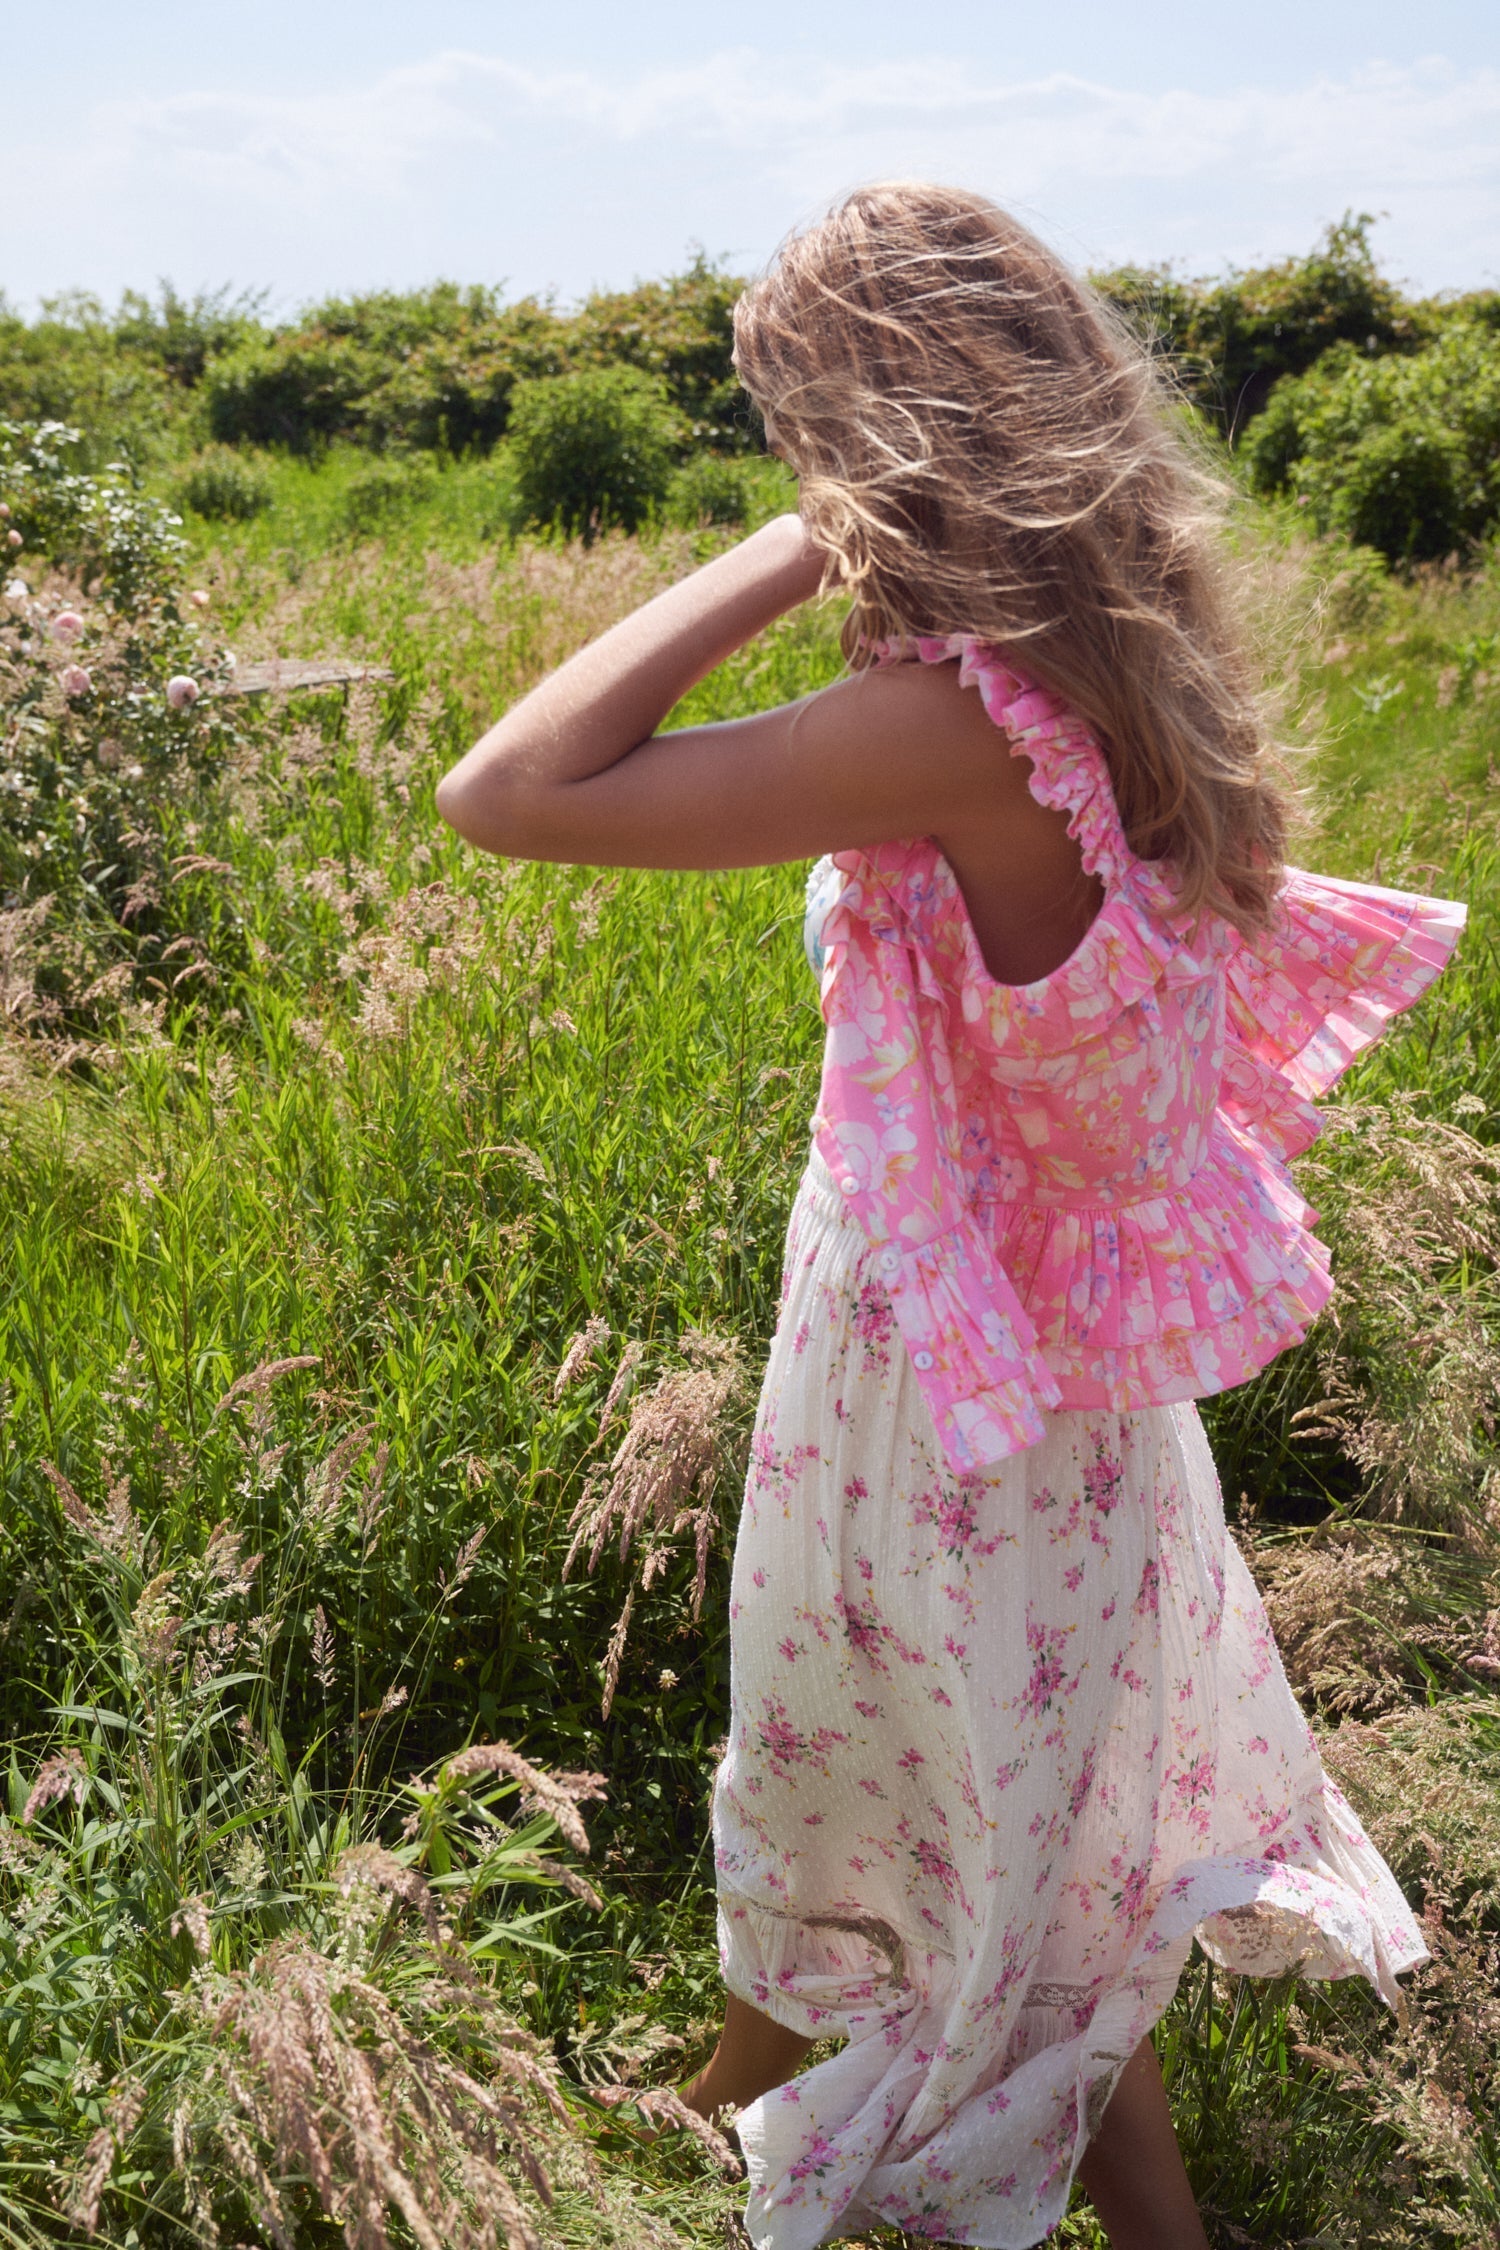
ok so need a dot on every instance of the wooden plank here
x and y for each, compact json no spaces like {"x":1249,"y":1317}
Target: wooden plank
{"x":282,"y":675}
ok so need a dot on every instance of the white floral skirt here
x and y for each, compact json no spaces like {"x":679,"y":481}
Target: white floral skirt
{"x":1001,"y":1747}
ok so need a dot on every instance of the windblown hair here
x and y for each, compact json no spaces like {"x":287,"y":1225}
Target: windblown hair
{"x":985,"y":449}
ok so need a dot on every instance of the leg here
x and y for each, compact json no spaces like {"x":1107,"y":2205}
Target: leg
{"x":753,"y":2055}
{"x":1132,"y":2170}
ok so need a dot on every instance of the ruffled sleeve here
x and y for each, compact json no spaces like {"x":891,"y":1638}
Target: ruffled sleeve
{"x":1309,"y":995}
{"x":885,"y":1126}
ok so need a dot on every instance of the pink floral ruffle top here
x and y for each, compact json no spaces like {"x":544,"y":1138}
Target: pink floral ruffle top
{"x":1077,"y":1189}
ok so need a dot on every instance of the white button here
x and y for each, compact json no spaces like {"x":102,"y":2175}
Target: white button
{"x":850,"y":1186}
{"x":889,"y":1260}
{"x":922,"y":1360}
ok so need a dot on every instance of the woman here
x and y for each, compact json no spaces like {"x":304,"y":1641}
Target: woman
{"x":1008,"y":1728}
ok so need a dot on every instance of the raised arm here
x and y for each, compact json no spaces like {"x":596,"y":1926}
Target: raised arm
{"x":576,"y":771}
{"x":520,"y":789}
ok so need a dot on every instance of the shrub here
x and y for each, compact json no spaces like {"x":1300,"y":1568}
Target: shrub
{"x":183,"y":335}
{"x":682,"y":330}
{"x":594,"y":449}
{"x":1401,"y":454}
{"x":110,"y":722}
{"x":386,"y":490}
{"x":1234,"y":340}
{"x":709,"y":488}
{"x":300,"y":391}
{"x":224,"y":486}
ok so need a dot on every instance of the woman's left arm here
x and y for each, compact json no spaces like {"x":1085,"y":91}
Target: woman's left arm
{"x":522,"y":788}
{"x":576,"y":772}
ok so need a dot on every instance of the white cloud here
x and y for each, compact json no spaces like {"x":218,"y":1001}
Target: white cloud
{"x":468,"y":163}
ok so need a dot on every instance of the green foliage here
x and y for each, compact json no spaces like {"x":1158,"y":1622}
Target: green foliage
{"x":171,"y":1873}
{"x":103,"y":750}
{"x":718,"y":488}
{"x":224,"y":486}
{"x":1399,"y":454}
{"x":593,"y":450}
{"x":436,"y":369}
{"x":385,"y":490}
{"x":1234,"y":339}
{"x":181,"y":335}
{"x":438,"y":1121}
{"x":682,"y":330}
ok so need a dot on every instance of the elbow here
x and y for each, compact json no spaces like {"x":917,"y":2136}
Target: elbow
{"x":450,"y":803}
{"x":477,"y":814}
{"x":495,"y":812}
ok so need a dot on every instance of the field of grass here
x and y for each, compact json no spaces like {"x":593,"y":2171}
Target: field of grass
{"x":333,"y":1275}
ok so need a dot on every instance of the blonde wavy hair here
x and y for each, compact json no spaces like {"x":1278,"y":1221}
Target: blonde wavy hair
{"x":983,"y":448}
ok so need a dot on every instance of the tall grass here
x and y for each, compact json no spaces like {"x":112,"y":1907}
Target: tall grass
{"x":438,"y":1236}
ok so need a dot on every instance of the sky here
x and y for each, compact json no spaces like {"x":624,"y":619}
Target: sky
{"x":306,"y":147}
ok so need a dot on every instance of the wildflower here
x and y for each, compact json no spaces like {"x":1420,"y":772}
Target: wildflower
{"x":67,"y":625}
{"x":322,"y":1650}
{"x":558,"y":1795}
{"x":13,"y":539}
{"x":182,"y":692}
{"x":17,"y":590}
{"x":198,"y":598}
{"x":191,"y":1918}
{"x":62,"y":1775}
{"x":74,"y":679}
{"x":579,"y":1352}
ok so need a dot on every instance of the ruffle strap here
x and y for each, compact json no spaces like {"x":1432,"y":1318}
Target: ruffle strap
{"x":1069,"y":772}
{"x":1311,"y":993}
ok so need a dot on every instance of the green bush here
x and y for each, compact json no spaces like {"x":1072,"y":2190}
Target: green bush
{"x":1401,"y":454}
{"x":108,"y":703}
{"x":300,"y":391}
{"x":224,"y":486}
{"x":593,"y":450}
{"x":709,"y":488}
{"x":1233,"y":340}
{"x":388,"y":489}
{"x":681,"y":329}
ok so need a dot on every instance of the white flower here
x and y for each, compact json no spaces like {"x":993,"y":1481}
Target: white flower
{"x":17,"y":590}
{"x":182,"y":692}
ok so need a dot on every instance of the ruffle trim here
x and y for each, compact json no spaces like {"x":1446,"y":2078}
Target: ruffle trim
{"x":1132,"y":1294}
{"x":820,"y":2149}
{"x":953,"y":1301}
{"x":1069,"y":772}
{"x":1022,"y":1308}
{"x":970,"y":1339}
{"x":1319,"y":987}
{"x":907,"y":895}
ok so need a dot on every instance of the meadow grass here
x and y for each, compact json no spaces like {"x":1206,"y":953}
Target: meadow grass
{"x":362,"y":1261}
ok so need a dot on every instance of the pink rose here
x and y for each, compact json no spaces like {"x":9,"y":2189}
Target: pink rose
{"x":13,"y":538}
{"x":182,"y":693}
{"x":67,"y":625}
{"x":198,"y":598}
{"x":4,"y":510}
{"x":74,"y":680}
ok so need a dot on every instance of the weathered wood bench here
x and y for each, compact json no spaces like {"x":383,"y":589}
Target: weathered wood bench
{"x":282,"y":674}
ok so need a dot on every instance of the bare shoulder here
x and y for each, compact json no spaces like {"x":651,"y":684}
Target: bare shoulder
{"x":919,"y":713}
